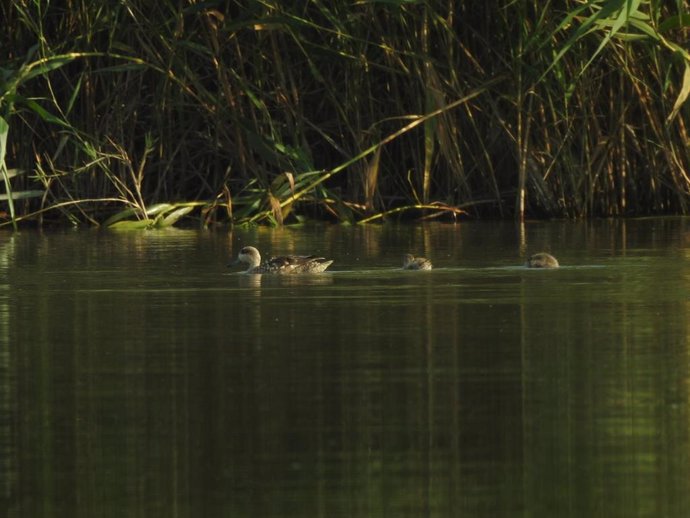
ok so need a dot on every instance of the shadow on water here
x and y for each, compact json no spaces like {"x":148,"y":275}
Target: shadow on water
{"x":141,"y":377}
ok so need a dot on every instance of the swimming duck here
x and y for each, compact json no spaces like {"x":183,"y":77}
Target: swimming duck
{"x":411,"y":262}
{"x":542,"y":260}
{"x":283,"y":264}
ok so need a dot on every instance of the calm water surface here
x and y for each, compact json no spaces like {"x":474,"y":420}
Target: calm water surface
{"x":141,"y":377}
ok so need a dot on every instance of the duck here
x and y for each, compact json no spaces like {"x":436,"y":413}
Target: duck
{"x":411,"y":262}
{"x":542,"y":260}
{"x":284,"y":264}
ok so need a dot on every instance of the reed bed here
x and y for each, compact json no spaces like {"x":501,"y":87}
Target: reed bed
{"x":141,"y":113}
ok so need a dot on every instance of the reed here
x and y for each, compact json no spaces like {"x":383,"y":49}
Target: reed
{"x":249,"y":111}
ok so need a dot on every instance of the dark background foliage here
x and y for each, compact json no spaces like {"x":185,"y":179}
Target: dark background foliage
{"x":272,"y":109}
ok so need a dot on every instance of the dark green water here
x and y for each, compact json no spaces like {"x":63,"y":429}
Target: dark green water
{"x":139,"y":377}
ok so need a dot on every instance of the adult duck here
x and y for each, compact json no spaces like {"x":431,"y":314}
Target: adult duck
{"x":284,"y":264}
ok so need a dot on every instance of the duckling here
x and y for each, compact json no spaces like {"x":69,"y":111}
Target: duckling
{"x":542,"y":260}
{"x":283,"y":264}
{"x":411,"y":262}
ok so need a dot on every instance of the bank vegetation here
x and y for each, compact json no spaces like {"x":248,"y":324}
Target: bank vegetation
{"x":138,"y":113}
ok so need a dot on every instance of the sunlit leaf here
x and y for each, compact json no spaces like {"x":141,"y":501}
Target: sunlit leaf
{"x":682,"y":95}
{"x":4,"y":130}
{"x":132,"y":224}
{"x":174,"y":216}
{"x":20,"y":195}
{"x":167,"y":214}
{"x":158,"y":208}
{"x":11,"y":173}
{"x":42,"y":67}
{"x":127,"y":213}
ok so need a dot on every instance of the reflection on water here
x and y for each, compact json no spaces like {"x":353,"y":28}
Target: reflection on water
{"x":141,"y":377}
{"x":246,"y":280}
{"x":7,"y":387}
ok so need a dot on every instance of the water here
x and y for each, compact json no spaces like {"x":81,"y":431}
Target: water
{"x":141,"y":377}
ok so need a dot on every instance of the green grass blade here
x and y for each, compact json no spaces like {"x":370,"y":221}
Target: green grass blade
{"x":4,"y":130}
{"x":22,"y":195}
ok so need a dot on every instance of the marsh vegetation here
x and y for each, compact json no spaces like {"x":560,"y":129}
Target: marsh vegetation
{"x":246,"y":111}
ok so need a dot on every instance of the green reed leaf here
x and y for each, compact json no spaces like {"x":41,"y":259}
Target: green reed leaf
{"x":173,"y":217}
{"x":20,"y":195}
